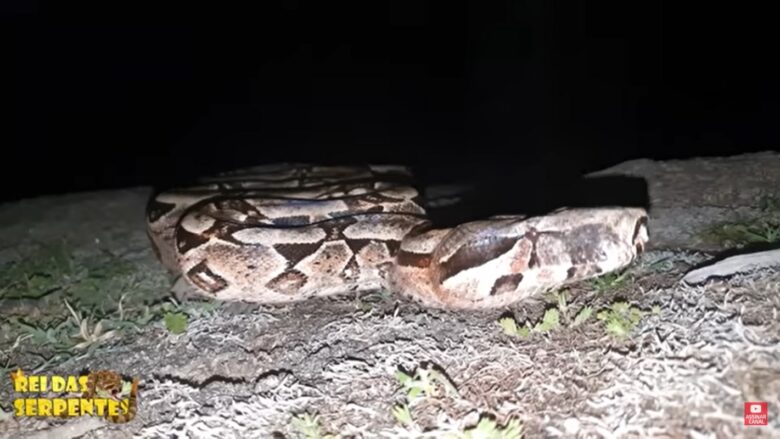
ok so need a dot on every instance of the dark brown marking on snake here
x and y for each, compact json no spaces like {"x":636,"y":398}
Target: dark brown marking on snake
{"x":506,"y":284}
{"x":228,"y":211}
{"x":641,"y":222}
{"x":332,"y":258}
{"x":334,"y":229}
{"x":583,"y":244}
{"x":335,"y":188}
{"x":533,"y":260}
{"x":236,"y":205}
{"x":475,"y":254}
{"x":351,"y":271}
{"x":392,"y":247}
{"x":296,"y":220}
{"x":224,"y":230}
{"x":357,"y":244}
{"x":378,"y":198}
{"x":419,"y":200}
{"x":186,"y":241}
{"x":353,"y":205}
{"x":289,"y":282}
{"x":295,"y":253}
{"x":356,"y":210}
{"x":156,"y":209}
{"x":202,"y":276}
{"x":639,"y":246}
{"x":410,"y":259}
{"x":532,"y":236}
{"x":420,"y":228}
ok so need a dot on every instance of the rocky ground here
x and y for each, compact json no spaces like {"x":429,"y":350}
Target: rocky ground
{"x":632,"y":354}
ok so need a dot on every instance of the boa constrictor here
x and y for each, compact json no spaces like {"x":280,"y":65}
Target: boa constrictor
{"x":284,"y":233}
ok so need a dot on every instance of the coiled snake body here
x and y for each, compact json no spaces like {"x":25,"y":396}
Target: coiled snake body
{"x":285,"y":233}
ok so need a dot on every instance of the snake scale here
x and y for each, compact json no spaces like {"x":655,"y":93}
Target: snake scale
{"x":287,"y":232}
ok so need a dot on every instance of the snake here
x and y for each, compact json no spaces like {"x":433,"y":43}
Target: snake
{"x":288,"y":232}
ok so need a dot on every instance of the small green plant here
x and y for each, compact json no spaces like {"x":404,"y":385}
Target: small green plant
{"x":420,"y":384}
{"x":48,"y":341}
{"x":309,"y":427}
{"x":489,"y":429}
{"x":662,"y":265}
{"x":89,"y":337}
{"x":765,"y":229}
{"x":565,"y":311}
{"x":132,"y":319}
{"x":741,"y":234}
{"x":176,"y":322}
{"x":52,"y":334}
{"x":176,"y":316}
{"x":583,"y":315}
{"x":509,"y":325}
{"x":423,"y":381}
{"x":620,"y":318}
{"x":46,"y":270}
{"x":53,"y":268}
{"x":769,"y":203}
{"x":403,"y":415}
{"x":367,"y":302}
{"x":553,"y":319}
{"x":610,"y":281}
{"x":549,"y":322}
{"x":57,"y":333}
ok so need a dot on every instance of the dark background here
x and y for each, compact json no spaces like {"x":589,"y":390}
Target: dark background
{"x":111,"y":94}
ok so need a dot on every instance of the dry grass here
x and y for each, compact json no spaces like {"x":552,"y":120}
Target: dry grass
{"x":684,"y":371}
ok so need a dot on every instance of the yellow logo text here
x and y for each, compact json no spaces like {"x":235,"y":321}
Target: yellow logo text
{"x":33,"y":404}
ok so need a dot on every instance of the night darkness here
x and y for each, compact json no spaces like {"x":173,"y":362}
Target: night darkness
{"x":107,"y":96}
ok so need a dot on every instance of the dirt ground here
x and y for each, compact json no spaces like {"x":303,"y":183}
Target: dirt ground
{"x":634,"y":354}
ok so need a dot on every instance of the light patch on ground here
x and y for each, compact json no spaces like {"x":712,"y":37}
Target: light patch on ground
{"x":683,"y":372}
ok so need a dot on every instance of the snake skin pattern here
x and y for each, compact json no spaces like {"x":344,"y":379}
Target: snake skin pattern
{"x":288,"y":232}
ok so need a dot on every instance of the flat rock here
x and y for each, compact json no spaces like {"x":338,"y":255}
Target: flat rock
{"x":688,"y":196}
{"x":739,"y":264}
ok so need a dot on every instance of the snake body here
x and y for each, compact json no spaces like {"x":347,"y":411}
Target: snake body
{"x":284,"y":233}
